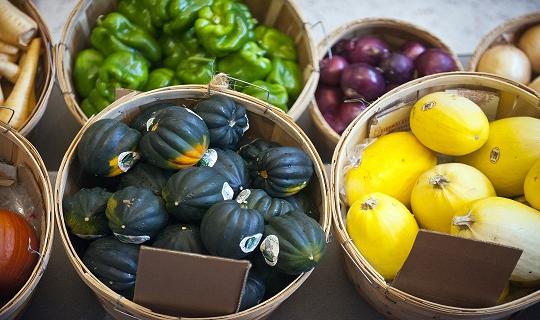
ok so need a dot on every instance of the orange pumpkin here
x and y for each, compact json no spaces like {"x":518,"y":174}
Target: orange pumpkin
{"x":17,"y":237}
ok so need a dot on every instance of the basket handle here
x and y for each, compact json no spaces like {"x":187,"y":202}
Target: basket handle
{"x":10,"y":118}
{"x":320,"y":24}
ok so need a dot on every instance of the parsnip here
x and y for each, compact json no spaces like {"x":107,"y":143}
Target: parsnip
{"x":17,"y":28}
{"x":8,"y":57}
{"x":1,"y":95}
{"x":8,"y":48}
{"x":19,"y":96}
{"x":31,"y":100}
{"x":9,"y":70}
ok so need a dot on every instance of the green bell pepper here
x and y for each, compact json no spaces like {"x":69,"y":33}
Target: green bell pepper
{"x":287,"y":73}
{"x":85,"y":71}
{"x":158,"y":11}
{"x":178,"y":48}
{"x":121,"y":70}
{"x":183,"y":13}
{"x":94,"y":103}
{"x":196,"y":70}
{"x":160,"y":78}
{"x":248,"y":64}
{"x":277,"y":43}
{"x":137,"y":13}
{"x":115,"y":33}
{"x":273,"y":93}
{"x":224,"y":27}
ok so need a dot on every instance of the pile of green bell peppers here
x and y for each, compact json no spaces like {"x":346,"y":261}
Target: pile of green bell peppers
{"x":150,"y":44}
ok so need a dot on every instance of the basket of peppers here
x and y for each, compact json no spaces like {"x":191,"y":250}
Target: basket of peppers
{"x":149,"y":44}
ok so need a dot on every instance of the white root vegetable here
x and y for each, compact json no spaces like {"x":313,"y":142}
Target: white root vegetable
{"x":8,"y":57}
{"x":1,"y":95}
{"x":8,"y":48}
{"x":9,"y":70}
{"x":20,"y":95}
{"x":17,"y":27}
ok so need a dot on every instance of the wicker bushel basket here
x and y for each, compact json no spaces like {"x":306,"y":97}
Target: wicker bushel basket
{"x":45,"y":72}
{"x":32,"y":175}
{"x":265,"y":121}
{"x":507,"y":33}
{"x":395,"y":33}
{"x":282,"y":14}
{"x":389,"y":301}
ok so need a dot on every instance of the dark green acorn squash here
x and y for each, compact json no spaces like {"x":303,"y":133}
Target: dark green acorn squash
{"x":301,"y":201}
{"x":293,"y":243}
{"x":107,"y":148}
{"x":180,"y":237}
{"x":226,"y":120}
{"x":191,"y":191}
{"x":253,"y":292}
{"x":113,"y":262}
{"x":144,"y":175}
{"x":230,"y":165}
{"x":282,"y":171}
{"x":250,"y":152}
{"x":84,"y":213}
{"x":230,"y":231}
{"x":141,"y":121}
{"x":267,"y":206}
{"x":177,"y":138}
{"x":135,"y":214}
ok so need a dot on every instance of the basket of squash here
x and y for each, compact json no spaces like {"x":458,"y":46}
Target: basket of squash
{"x":153,"y":45}
{"x":456,"y":154}
{"x":192,"y":169}
{"x":26,"y":65}
{"x":26,"y":221}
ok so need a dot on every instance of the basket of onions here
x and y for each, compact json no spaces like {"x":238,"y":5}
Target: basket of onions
{"x":361,"y":61}
{"x":512,"y":50}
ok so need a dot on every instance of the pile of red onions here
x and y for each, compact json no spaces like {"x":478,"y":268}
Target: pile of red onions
{"x":363,"y":68}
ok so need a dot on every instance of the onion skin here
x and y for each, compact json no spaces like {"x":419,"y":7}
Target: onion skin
{"x":507,"y":61}
{"x":434,"y":60}
{"x":348,"y":111}
{"x":530,"y":44}
{"x":397,"y":68}
{"x":328,"y":98}
{"x":506,"y":222}
{"x":412,"y":49}
{"x":331,"y":69}
{"x":367,"y":49}
{"x":360,"y":80}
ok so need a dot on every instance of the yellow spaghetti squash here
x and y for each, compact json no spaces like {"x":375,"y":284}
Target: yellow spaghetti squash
{"x":439,"y":192}
{"x":532,"y":186}
{"x":383,"y":230}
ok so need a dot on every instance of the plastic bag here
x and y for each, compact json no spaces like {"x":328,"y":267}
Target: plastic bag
{"x":15,"y":198}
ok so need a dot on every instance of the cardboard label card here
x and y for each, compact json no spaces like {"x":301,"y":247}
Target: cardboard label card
{"x":191,"y":285}
{"x":393,"y":119}
{"x":456,"y":271}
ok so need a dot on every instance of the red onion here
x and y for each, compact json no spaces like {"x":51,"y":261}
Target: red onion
{"x":434,"y":60}
{"x":348,"y":111}
{"x":335,"y":122}
{"x":412,"y":49}
{"x":342,"y":47}
{"x":360,"y":80}
{"x":368,"y":49}
{"x":328,"y":98}
{"x":331,"y":69}
{"x":397,"y":68}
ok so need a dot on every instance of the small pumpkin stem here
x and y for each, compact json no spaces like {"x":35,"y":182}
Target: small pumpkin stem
{"x":428,"y":105}
{"x":369,"y":204}
{"x":463,"y":222}
{"x":438,"y":181}
{"x":264,"y":174}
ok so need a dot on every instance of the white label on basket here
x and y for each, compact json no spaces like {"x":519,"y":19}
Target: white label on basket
{"x":131,"y":239}
{"x":248,"y":244}
{"x":127,"y":159}
{"x":209,"y":158}
{"x":198,"y":116}
{"x":244,"y":129}
{"x":89,"y":236}
{"x":227,"y":192}
{"x":243,"y":196}
{"x":270,"y":249}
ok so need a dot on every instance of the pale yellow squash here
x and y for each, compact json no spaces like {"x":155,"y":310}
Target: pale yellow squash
{"x":510,"y":151}
{"x":449,"y":123}
{"x":531,"y":186}
{"x":383,"y":230}
{"x":439,"y":192}
{"x":506,"y":222}
{"x":389,"y":165}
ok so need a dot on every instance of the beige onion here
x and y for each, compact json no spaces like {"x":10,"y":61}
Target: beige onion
{"x":530,"y":44}
{"x":507,"y":61}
